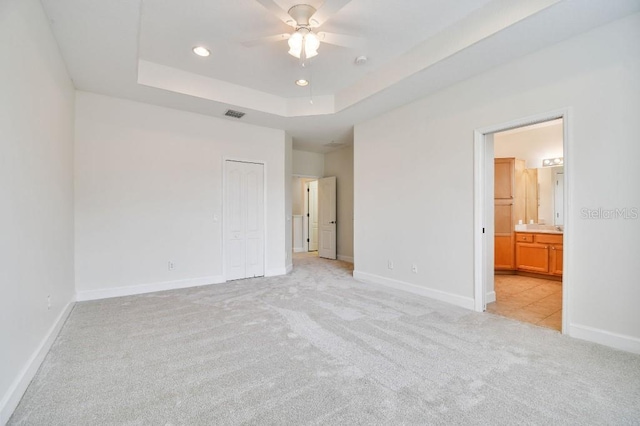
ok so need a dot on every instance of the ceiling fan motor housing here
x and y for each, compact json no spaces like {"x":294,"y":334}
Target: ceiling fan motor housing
{"x":302,"y":13}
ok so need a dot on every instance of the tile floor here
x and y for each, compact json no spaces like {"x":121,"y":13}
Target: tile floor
{"x":533,"y":300}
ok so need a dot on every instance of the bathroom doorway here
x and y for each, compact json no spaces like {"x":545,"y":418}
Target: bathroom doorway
{"x":520,"y":178}
{"x":305,"y":213}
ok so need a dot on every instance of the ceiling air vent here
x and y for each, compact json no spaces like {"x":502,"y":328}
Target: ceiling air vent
{"x":234,"y":114}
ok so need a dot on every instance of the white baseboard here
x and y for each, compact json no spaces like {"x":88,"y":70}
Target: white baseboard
{"x":289,"y":268}
{"x":276,"y":272}
{"x":490,"y":297}
{"x":299,"y":250}
{"x":607,"y":338}
{"x":465,"y":302}
{"x":107,"y":293}
{"x":12,"y":398}
{"x":345,"y":258}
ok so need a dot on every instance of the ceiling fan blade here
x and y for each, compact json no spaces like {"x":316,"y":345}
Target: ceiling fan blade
{"x":341,"y":40}
{"x":328,"y":8}
{"x":264,"y":40}
{"x":282,"y":14}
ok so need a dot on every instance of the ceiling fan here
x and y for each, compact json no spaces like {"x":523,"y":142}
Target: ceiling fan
{"x":305,"y":19}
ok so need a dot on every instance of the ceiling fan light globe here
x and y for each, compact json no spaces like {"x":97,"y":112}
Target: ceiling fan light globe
{"x":311,"y":43}
{"x":294,"y":53}
{"x":304,"y":43}
{"x":295,"y":44}
{"x":297,"y":37}
{"x":295,"y":41}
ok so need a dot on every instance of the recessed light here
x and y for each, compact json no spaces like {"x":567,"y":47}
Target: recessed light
{"x":302,"y":82}
{"x":201,"y":51}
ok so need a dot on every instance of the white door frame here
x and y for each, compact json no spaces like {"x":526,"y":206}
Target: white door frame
{"x":223,"y":205}
{"x":483,"y":261}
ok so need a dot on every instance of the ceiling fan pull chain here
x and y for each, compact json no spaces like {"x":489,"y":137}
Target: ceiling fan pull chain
{"x":303,"y":55}
{"x":311,"y":85}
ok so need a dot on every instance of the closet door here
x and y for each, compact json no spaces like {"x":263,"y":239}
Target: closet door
{"x":244,"y":220}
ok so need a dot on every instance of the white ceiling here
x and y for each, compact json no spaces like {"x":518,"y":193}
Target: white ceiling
{"x":141,"y":50}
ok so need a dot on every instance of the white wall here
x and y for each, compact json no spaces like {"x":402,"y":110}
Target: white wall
{"x":36,"y":194}
{"x":304,"y":163}
{"x":288,"y":203}
{"x":149,"y":191}
{"x":339,"y":163}
{"x":532,"y":145}
{"x":297,"y":196}
{"x":414,"y":178}
{"x":308,"y":163}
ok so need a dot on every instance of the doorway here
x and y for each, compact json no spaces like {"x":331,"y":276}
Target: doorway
{"x":320,"y":217}
{"x":314,"y":205}
{"x":520,"y":233}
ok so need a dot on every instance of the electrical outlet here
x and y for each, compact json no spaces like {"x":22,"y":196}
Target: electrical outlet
{"x":48,"y":302}
{"x":390,"y":265}
{"x":171,"y":266}
{"x":414,"y":268}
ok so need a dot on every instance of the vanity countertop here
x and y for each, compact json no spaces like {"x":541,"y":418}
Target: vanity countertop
{"x":539,"y":229}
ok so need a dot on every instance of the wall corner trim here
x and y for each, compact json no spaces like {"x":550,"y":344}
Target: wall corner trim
{"x":289,"y":268}
{"x":606,"y":338}
{"x":490,"y":297}
{"x":107,"y":293}
{"x":454,"y":299}
{"x":19,"y":386}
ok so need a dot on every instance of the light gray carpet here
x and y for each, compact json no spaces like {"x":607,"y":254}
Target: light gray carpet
{"x":317,"y":347}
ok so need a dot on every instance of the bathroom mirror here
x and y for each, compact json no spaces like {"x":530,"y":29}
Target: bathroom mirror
{"x":544,"y":195}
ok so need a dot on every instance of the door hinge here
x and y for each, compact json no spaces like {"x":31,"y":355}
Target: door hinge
{"x":307,"y":214}
{"x":307,"y":240}
{"x":483,"y":230}
{"x":308,"y":190}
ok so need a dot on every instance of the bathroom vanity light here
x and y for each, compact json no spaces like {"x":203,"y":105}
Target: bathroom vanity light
{"x":553,"y":162}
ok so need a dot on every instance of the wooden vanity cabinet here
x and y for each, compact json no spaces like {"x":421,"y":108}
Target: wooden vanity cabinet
{"x":509,"y":207}
{"x":555,"y":260}
{"x":539,"y":253}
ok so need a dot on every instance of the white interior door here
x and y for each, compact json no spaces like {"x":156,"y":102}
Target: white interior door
{"x":327,"y":217}
{"x":244,"y":220}
{"x":313,"y":215}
